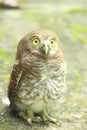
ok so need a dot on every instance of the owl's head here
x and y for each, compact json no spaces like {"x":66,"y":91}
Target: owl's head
{"x":39,"y":42}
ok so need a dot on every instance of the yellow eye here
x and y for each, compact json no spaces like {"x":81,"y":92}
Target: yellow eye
{"x":35,"y":42}
{"x":52,"y":41}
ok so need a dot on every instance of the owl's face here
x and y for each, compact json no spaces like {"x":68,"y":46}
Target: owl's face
{"x":44,"y":46}
{"x":43,"y":42}
{"x":40,"y":42}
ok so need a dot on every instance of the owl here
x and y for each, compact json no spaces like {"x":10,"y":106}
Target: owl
{"x":37,"y":81}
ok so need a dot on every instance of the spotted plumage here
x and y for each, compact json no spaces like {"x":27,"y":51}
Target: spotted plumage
{"x":37,"y":81}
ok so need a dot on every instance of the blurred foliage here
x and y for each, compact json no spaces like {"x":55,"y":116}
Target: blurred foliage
{"x":2,"y":32}
{"x":6,"y":77}
{"x":4,"y":54}
{"x":76,"y":10}
{"x":79,"y":32}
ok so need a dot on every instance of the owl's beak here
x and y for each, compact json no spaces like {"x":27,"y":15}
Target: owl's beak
{"x":46,"y":49}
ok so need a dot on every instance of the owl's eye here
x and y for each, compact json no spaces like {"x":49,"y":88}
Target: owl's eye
{"x":52,"y":41}
{"x":35,"y":42}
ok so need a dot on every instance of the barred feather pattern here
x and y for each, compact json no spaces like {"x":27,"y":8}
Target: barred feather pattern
{"x":41,"y":81}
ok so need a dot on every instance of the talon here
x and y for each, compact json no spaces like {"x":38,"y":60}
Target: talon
{"x":53,"y":120}
{"x":29,"y":121}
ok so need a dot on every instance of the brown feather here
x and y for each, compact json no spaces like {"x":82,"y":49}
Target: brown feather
{"x":14,"y":80}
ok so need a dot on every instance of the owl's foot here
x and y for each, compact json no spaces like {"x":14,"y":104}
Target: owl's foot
{"x":22,"y":114}
{"x":53,"y":120}
{"x":46,"y":117}
{"x":35,"y":119}
{"x":30,"y":117}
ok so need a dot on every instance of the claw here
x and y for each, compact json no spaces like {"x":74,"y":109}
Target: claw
{"x":29,"y":121}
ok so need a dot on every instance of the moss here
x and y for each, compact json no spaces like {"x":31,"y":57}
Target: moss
{"x":7,"y":125}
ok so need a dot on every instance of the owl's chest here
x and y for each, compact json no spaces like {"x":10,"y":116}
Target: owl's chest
{"x":43,"y":76}
{"x":42,"y":81}
{"x":44,"y":73}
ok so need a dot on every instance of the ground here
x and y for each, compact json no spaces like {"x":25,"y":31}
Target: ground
{"x":68,"y":19}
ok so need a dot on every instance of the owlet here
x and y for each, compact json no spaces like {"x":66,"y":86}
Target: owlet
{"x":37,"y":81}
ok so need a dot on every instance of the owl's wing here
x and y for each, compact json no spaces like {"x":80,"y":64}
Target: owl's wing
{"x":14,"y":79}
